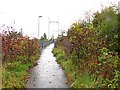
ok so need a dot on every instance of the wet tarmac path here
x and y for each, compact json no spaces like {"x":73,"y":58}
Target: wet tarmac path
{"x":47,"y":74}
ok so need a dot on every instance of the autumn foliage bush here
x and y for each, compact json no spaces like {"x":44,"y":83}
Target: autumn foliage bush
{"x":92,"y":48}
{"x":18,"y":55}
{"x":89,"y":54}
{"x":15,"y":45}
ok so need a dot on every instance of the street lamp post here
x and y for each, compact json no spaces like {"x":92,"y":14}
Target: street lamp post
{"x":39,"y":26}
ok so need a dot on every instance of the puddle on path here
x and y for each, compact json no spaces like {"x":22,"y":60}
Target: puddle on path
{"x":47,"y":74}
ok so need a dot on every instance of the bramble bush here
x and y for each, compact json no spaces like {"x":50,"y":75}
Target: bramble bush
{"x":18,"y":55}
{"x":93,"y":47}
{"x":15,"y":45}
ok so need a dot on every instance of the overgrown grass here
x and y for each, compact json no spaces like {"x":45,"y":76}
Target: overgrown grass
{"x":74,"y":78}
{"x":14,"y":74}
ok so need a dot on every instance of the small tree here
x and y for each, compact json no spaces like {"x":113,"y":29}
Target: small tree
{"x":106,"y":23}
{"x":44,"y":37}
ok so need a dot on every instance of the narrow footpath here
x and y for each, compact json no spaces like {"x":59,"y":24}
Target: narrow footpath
{"x":47,"y":74}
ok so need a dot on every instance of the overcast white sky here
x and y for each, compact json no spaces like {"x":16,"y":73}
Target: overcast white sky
{"x":26,"y":12}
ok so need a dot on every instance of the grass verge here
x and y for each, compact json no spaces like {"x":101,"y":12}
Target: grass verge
{"x":74,"y":78}
{"x":14,"y":74}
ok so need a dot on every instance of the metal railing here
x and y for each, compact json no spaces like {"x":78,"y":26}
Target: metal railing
{"x":45,"y":43}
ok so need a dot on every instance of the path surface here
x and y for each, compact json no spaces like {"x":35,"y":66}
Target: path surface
{"x":47,"y":74}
